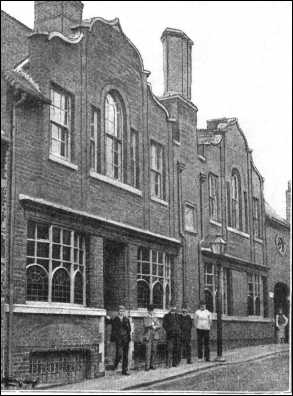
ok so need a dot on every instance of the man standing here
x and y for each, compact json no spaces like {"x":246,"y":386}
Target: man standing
{"x":203,"y":321}
{"x":172,"y":327}
{"x":186,"y":326}
{"x":120,"y":334}
{"x":151,"y":336}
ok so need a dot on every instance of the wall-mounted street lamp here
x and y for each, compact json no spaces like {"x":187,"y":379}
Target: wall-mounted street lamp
{"x":218,"y":247}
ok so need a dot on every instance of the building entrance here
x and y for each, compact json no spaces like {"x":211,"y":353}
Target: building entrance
{"x":281,"y":294}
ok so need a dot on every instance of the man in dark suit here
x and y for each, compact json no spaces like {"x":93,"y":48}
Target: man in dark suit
{"x":120,"y":334}
{"x":172,"y":327}
{"x":186,"y":326}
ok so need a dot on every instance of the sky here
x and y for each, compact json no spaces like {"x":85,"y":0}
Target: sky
{"x":242,"y":67}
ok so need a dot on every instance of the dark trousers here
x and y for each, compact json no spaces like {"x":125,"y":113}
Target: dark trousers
{"x":173,"y":351}
{"x":186,"y":347}
{"x":203,"y":337}
{"x":151,"y":351}
{"x":122,"y":352}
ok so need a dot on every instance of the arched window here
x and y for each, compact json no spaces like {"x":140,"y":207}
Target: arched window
{"x":36,"y":284}
{"x":167,"y":294}
{"x":158,"y":294}
{"x":209,"y":300}
{"x":143,"y":294}
{"x":113,"y":136}
{"x":61,"y":286}
{"x":78,"y":288}
{"x":236,"y":203}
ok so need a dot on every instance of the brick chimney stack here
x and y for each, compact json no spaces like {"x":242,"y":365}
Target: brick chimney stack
{"x":177,"y":48}
{"x":57,"y":16}
{"x":288,"y":202}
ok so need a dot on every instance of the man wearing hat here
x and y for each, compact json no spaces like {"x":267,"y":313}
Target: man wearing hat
{"x":120,"y":334}
{"x":151,"y":336}
{"x":186,"y":326}
{"x":172,"y":327}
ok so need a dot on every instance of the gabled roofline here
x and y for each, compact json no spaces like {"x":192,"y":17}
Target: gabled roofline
{"x":115,"y":23}
{"x":69,"y":40}
{"x":15,"y":20}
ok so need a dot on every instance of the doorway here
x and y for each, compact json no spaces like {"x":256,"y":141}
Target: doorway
{"x":281,"y":294}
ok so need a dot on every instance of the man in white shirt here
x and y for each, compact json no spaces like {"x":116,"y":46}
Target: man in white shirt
{"x":203,"y":321}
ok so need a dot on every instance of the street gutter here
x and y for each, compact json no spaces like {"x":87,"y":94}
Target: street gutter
{"x":201,"y":369}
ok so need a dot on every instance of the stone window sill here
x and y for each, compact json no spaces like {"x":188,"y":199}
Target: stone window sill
{"x":115,"y":183}
{"x":258,"y":240}
{"x":236,"y":318}
{"x":238,"y":232}
{"x":176,"y":142}
{"x":192,"y":232}
{"x":160,"y":201}
{"x":62,"y":161}
{"x":55,"y":309}
{"x":142,"y":312}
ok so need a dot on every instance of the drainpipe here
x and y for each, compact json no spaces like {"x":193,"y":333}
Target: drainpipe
{"x":180,"y":169}
{"x":202,"y":179}
{"x":12,"y":218}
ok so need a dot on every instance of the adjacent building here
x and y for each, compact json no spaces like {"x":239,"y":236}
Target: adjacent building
{"x":111,"y":195}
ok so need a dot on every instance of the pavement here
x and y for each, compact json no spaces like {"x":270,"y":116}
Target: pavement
{"x":114,"y":381}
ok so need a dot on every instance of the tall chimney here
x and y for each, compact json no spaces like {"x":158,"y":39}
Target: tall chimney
{"x":177,"y":47}
{"x":57,"y":16}
{"x":288,"y":202}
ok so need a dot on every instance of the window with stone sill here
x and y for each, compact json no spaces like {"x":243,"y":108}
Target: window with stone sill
{"x":153,"y":278}
{"x":55,"y":264}
{"x":214,"y":206}
{"x":210,"y":288}
{"x":60,"y":123}
{"x":189,"y":218}
{"x":253,"y":298}
{"x":157,"y":171}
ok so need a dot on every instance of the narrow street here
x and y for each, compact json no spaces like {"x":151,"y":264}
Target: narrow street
{"x":266,"y":374}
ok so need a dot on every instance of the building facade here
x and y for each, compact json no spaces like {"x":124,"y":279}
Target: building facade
{"x":114,"y":197}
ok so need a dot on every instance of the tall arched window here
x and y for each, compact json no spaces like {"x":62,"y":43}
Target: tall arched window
{"x":143,"y":294}
{"x":61,"y":286}
{"x":114,"y":125}
{"x":158,"y":295}
{"x":78,"y":288}
{"x":236,"y":202}
{"x":36,"y":283}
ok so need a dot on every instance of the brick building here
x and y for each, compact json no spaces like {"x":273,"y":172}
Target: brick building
{"x":115,"y":197}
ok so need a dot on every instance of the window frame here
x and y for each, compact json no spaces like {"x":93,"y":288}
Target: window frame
{"x":254,"y":280}
{"x":95,"y":126}
{"x":162,"y":274}
{"x":192,"y":229}
{"x":72,"y":258}
{"x":117,"y":136}
{"x":214,"y":201}
{"x":158,"y":170}
{"x":134,"y":159}
{"x":67,"y":127}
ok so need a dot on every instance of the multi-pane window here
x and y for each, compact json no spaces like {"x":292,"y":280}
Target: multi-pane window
{"x":246,"y":224}
{"x":214,"y":208}
{"x":95,"y":139}
{"x":134,"y":160}
{"x":55,"y":266}
{"x":256,"y":217}
{"x":210,"y":286}
{"x":113,"y":137}
{"x":60,"y":124}
{"x":157,"y":170}
{"x":189,"y":218}
{"x":153,"y":278}
{"x":210,"y":279}
{"x":253,"y":298}
{"x":236,"y":202}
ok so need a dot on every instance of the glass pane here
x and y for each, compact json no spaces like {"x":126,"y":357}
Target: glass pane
{"x":43,"y":231}
{"x":42,"y":249}
{"x":30,"y":248}
{"x":78,"y":289}
{"x":31,"y":229}
{"x":66,"y":237}
{"x":158,"y":295}
{"x":76,"y":255}
{"x":154,"y":269}
{"x":143,"y":294}
{"x":161,"y":270}
{"x":55,"y":147}
{"x":160,"y":257}
{"x":145,"y":268}
{"x":56,"y":234}
{"x":44,"y":263}
{"x":56,"y":251}
{"x":154,"y":256}
{"x":145,"y":254}
{"x":37,"y":284}
{"x":66,"y":253}
{"x":61,"y":286}
{"x":81,"y":257}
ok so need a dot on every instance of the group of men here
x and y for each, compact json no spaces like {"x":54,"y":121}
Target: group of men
{"x":177,"y":326}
